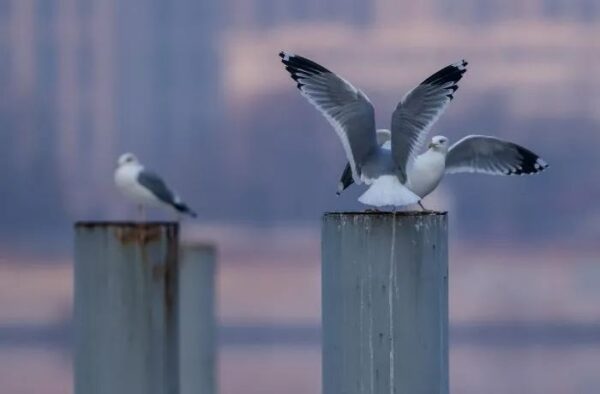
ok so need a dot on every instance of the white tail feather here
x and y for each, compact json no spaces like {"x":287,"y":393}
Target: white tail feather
{"x":387,"y":190}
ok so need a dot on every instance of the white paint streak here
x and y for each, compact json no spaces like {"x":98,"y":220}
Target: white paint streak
{"x":391,"y":302}
{"x":371,"y":338}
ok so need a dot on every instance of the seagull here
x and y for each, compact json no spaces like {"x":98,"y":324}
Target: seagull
{"x":383,"y":140}
{"x":388,"y":160}
{"x":352,"y":116}
{"x":472,"y":154}
{"x":145,"y":187}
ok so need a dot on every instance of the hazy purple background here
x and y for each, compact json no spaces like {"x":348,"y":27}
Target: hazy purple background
{"x":196,"y":90}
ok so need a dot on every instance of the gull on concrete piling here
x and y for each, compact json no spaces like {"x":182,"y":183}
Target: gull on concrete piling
{"x":472,"y":154}
{"x":146,"y":188}
{"x":389,"y":161}
{"x":384,"y":168}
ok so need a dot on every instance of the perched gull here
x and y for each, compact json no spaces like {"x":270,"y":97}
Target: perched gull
{"x":145,"y":187}
{"x":387,"y":160}
{"x":351,"y":114}
{"x":383,"y":140}
{"x":474,"y":153}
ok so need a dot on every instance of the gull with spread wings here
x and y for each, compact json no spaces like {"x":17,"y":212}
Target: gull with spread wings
{"x":389,"y":160}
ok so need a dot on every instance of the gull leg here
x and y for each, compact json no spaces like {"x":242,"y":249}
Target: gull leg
{"x":142,"y":212}
{"x":422,"y":207}
{"x":142,"y":218}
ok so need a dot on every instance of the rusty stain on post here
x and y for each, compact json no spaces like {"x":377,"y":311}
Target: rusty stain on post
{"x":170,"y":276}
{"x":385,"y":302}
{"x":126,"y":328}
{"x":141,"y":235}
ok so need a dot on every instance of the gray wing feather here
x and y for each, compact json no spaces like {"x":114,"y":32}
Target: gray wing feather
{"x":419,"y":110}
{"x":493,"y":156}
{"x":157,"y":186}
{"x":346,"y":108}
{"x":383,"y":138}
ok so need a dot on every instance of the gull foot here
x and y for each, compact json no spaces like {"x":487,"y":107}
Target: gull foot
{"x":423,"y":209}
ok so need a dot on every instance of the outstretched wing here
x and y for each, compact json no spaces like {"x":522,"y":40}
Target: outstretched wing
{"x":346,"y":108}
{"x":493,"y":156}
{"x":419,"y":110}
{"x":383,"y":140}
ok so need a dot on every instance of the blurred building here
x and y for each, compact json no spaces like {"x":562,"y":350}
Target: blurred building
{"x":486,"y":11}
{"x":29,"y":111}
{"x":529,"y":81}
{"x":259,"y":14}
{"x":253,"y":14}
{"x":191,"y":87}
{"x":85,"y":79}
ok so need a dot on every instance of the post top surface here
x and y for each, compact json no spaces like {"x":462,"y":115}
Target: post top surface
{"x":199,"y":245}
{"x":386,"y":213}
{"x":124,"y":224}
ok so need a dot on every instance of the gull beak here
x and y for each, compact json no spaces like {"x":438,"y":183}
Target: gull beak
{"x":431,"y":145}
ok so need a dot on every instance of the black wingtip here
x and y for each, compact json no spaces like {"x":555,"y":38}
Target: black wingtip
{"x":183,"y":208}
{"x":345,"y":182}
{"x":297,"y":64}
{"x":530,"y":163}
{"x":192,"y":214}
{"x":450,"y":74}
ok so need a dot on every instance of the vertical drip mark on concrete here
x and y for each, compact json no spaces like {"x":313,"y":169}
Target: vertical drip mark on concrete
{"x":391,"y":302}
{"x":371,"y":337}
{"x":361,"y":323}
{"x":362,"y":359}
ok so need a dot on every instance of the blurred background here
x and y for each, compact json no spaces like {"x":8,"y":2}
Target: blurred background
{"x":196,"y":90}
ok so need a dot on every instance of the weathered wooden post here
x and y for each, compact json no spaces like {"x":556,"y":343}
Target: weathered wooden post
{"x":197,"y":333}
{"x":385,"y":303}
{"x":126,"y":333}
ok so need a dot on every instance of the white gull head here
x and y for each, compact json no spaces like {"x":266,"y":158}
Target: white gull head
{"x":439,"y":143}
{"x":127,"y":159}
